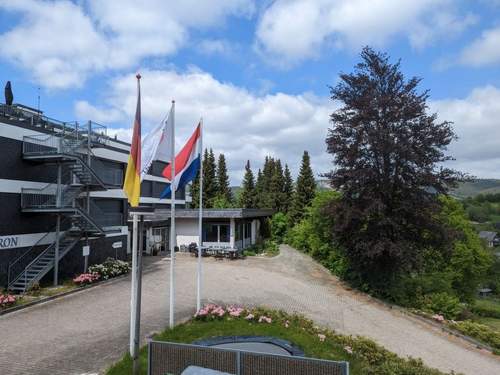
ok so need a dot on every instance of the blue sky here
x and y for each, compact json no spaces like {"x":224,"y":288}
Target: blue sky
{"x":258,"y":72}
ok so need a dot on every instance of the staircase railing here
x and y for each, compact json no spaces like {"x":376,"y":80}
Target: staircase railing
{"x":15,"y":267}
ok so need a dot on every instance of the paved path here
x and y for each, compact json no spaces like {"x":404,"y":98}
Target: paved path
{"x":87,"y":331}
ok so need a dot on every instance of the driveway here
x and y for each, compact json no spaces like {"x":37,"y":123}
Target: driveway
{"x":87,"y":331}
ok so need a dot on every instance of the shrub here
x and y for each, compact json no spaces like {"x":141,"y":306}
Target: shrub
{"x":479,"y":331}
{"x":110,"y":268}
{"x":487,"y":308}
{"x":7,"y":300}
{"x":86,"y":278}
{"x":279,"y":226}
{"x":442,"y":303}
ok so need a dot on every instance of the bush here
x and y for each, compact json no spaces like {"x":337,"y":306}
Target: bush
{"x":479,"y":331}
{"x":86,"y":278}
{"x":442,"y":303}
{"x":7,"y":300}
{"x":110,"y":268}
{"x":487,"y":308}
{"x":279,"y":226}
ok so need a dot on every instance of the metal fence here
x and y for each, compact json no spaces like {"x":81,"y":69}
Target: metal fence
{"x":172,"y":358}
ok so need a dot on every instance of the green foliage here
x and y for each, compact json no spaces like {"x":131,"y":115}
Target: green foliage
{"x":110,"y":268}
{"x":268,"y":247}
{"x":469,"y":261}
{"x":279,"y":226}
{"x":442,"y":303}
{"x":479,"y":331}
{"x":314,"y":235}
{"x":224,"y":190}
{"x":487,"y":307}
{"x":247,"y":195}
{"x":287,"y":190}
{"x":305,"y":189}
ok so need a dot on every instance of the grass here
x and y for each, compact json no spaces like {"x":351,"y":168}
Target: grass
{"x":366,"y":358}
{"x":268,"y":248}
{"x":487,"y":311}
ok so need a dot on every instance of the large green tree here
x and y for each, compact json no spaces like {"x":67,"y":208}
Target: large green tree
{"x":287,"y":189}
{"x":247,"y":195}
{"x":304,"y":191}
{"x":389,"y":155}
{"x":276,"y":187}
{"x":224,"y":193}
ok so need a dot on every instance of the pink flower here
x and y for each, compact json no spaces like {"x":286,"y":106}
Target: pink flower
{"x":249,"y":317}
{"x":265,"y":319}
{"x":321,"y":337}
{"x":438,"y":318}
{"x":7,"y":299}
{"x":348,"y":349}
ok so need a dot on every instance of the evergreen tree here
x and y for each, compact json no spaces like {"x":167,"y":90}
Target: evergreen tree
{"x":266,"y":196}
{"x":195,"y":191}
{"x":305,"y":189}
{"x":209,"y":179}
{"x":259,"y":189}
{"x":247,"y":196}
{"x":224,"y":189}
{"x":287,"y":190}
{"x":276,"y":187}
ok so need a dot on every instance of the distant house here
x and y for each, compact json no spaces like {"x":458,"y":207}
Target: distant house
{"x":491,"y":238}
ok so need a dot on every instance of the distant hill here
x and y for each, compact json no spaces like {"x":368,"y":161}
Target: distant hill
{"x":479,"y":186}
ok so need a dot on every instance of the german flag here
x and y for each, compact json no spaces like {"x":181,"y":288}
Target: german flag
{"x":132,"y":184}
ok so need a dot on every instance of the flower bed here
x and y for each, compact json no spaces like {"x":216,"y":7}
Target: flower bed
{"x":364,"y":356}
{"x":86,"y":278}
{"x":110,"y":268}
{"x":7,"y":300}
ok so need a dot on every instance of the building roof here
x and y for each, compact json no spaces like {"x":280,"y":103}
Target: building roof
{"x":213,"y":213}
{"x":489,"y":236}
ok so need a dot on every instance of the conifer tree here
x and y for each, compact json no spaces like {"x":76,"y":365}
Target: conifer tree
{"x":247,"y":196}
{"x":259,"y":190}
{"x":266,"y":196}
{"x":224,"y":189}
{"x":305,"y":189}
{"x":276,"y":187}
{"x":287,"y":190}
{"x":209,"y":179}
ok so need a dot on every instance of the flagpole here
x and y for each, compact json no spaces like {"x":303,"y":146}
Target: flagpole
{"x":200,"y":221}
{"x":133,"y":287}
{"x":172,"y":222}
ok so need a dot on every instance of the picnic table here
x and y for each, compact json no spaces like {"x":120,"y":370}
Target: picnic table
{"x":218,"y":252}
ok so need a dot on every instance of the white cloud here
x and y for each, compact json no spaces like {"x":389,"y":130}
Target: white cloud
{"x":484,"y":50}
{"x":215,"y":47}
{"x":61,"y":43}
{"x":237,"y":122}
{"x":477,"y":124}
{"x":295,"y":30}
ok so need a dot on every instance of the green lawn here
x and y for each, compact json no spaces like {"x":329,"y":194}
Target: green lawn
{"x":366,"y":358}
{"x":487,"y":312}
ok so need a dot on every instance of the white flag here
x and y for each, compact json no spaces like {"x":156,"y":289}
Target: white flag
{"x":156,"y":145}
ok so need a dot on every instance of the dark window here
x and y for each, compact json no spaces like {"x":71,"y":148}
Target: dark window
{"x":223,"y":233}
{"x":210,"y":233}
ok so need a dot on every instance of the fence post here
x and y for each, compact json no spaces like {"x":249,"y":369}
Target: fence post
{"x":238,"y":363}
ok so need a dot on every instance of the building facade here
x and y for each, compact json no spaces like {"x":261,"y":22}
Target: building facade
{"x":61,"y":191}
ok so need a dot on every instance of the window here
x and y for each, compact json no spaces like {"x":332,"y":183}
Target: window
{"x":210,"y":233}
{"x":223,"y":233}
{"x":248,"y":230}
{"x":216,"y":233}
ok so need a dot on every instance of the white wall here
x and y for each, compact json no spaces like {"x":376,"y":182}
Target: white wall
{"x":187,"y":231}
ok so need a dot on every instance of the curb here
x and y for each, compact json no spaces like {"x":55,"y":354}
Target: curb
{"x":62,"y":294}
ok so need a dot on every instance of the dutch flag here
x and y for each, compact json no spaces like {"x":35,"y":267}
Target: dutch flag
{"x":187,"y":163}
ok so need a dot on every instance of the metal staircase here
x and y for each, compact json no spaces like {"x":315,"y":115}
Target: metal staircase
{"x":70,"y":148}
{"x":42,"y":264}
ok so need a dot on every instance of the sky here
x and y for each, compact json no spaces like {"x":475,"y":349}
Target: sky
{"x":258,"y":72}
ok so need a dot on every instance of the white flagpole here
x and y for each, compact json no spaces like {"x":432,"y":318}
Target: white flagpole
{"x":200,"y":221}
{"x":134,"y":287}
{"x":172,"y":222}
